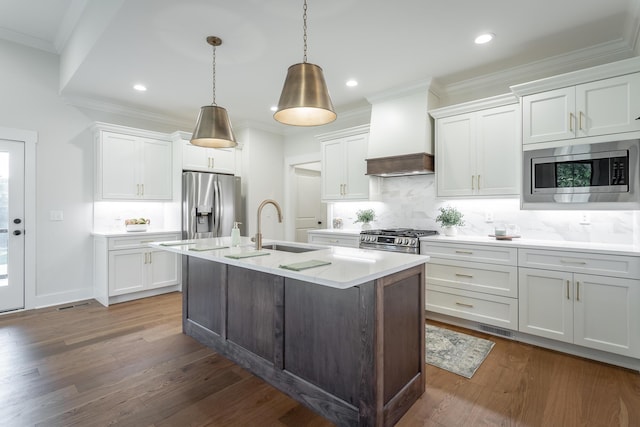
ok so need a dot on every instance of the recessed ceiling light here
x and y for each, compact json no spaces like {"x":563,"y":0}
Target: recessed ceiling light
{"x":140,"y":87}
{"x":274,"y":108}
{"x":352,"y":83}
{"x":484,"y":38}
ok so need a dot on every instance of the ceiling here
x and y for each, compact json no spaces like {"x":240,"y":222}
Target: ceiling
{"x":107,"y":46}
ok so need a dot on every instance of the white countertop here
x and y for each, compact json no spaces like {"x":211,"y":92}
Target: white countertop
{"x":349,"y":266}
{"x":589,"y":247}
{"x":124,"y":233}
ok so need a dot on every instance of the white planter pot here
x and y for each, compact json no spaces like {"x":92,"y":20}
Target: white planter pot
{"x":366,"y":226}
{"x":450,"y":230}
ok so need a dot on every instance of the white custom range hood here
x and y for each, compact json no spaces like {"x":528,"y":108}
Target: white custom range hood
{"x":401,"y":135}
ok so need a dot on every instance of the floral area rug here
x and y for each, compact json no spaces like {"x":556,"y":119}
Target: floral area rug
{"x":456,"y":352}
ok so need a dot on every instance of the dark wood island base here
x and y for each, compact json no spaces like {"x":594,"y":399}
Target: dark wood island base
{"x":355,"y":356}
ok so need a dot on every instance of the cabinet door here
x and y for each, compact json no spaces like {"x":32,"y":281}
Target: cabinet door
{"x":195,"y":158}
{"x":162,"y":269}
{"x":546,"y":303}
{"x":606,"y":314}
{"x":118,"y":158}
{"x":126,"y":271}
{"x":333,"y":166}
{"x":548,"y":116}
{"x":155,"y":170}
{"x":357,"y":181}
{"x":223,"y":160}
{"x":608,"y":106}
{"x":455,"y":155}
{"x":498,"y":151}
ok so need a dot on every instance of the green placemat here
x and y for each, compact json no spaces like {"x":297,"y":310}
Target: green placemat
{"x":247,"y":255}
{"x":207,"y":248}
{"x":298,"y":266}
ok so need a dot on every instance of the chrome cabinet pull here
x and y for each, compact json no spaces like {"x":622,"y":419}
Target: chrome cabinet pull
{"x":464,"y":252}
{"x":568,"y":297}
{"x":478,"y":182}
{"x":137,"y":189}
{"x":577,"y":291}
{"x":464,"y":305}
{"x":142,"y":192}
{"x":150,"y":258}
{"x":571,"y":261}
{"x":464,"y":275}
{"x":213,"y":162}
{"x":472,"y":182}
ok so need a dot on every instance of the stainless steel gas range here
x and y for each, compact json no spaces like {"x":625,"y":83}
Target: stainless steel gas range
{"x":394,"y":240}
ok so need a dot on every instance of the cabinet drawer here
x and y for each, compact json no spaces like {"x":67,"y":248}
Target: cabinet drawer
{"x":494,"y":280}
{"x":600,"y":264}
{"x":488,"y":309}
{"x":476,"y":253}
{"x":346,"y":241}
{"x":139,"y":241}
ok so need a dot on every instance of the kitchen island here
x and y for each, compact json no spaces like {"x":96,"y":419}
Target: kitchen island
{"x":345,"y":339}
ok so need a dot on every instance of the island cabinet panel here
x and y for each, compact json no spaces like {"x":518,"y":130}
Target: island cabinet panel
{"x":354,"y":356}
{"x":252,"y":312}
{"x":320,"y":329}
{"x":207,"y":285}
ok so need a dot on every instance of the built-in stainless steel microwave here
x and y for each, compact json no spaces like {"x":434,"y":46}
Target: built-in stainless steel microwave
{"x":589,"y":176}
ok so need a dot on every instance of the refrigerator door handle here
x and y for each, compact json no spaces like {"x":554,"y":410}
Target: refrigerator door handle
{"x":217,"y":207}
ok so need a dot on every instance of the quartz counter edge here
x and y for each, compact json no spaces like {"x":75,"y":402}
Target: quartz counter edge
{"x":526,"y":243}
{"x":349,"y":266}
{"x":123,"y":233}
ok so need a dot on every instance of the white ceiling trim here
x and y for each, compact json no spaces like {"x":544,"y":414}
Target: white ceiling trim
{"x":26,"y":40}
{"x":583,"y":58}
{"x":69,"y":23}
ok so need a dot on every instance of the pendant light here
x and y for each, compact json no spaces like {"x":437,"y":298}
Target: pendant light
{"x":213,"y":128}
{"x":305,"y":99}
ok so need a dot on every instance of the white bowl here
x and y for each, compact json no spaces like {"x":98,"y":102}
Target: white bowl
{"x":136,"y":227}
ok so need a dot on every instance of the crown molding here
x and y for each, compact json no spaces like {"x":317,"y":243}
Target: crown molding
{"x":400,"y":91}
{"x":481,"y":104}
{"x":579,"y":59}
{"x":136,"y":113}
{"x":343,"y":133}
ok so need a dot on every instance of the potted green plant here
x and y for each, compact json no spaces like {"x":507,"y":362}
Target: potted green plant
{"x":365,"y":216}
{"x":450,"y":219}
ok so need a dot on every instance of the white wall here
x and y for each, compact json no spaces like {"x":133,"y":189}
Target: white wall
{"x":262,"y":178}
{"x":65,"y":170}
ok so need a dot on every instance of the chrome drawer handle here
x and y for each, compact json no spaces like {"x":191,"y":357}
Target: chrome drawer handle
{"x":464,"y":305}
{"x":465,"y":252}
{"x":464,"y":275}
{"x":570,"y":261}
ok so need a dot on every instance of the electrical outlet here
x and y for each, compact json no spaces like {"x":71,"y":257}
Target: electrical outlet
{"x":488,"y":217}
{"x":585,"y":218}
{"x":56,"y":216}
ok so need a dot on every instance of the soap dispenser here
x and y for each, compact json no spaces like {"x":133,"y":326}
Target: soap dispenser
{"x":235,"y":234}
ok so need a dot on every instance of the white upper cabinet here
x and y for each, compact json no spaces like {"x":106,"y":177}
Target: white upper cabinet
{"x":344,"y":168}
{"x":478,"y":152}
{"x":131,"y":166}
{"x":202,"y":159}
{"x":602,"y":107}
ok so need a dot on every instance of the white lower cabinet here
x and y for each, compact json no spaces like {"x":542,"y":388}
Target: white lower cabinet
{"x":473,"y":282}
{"x":585,"y":299}
{"x":127,"y":268}
{"x":600,"y":312}
{"x":348,"y":240}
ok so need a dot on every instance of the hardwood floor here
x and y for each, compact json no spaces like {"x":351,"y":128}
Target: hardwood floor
{"x":130,"y":365}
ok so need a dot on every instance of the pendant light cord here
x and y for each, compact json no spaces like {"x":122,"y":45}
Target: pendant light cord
{"x":214,"y":76}
{"x":304,"y":29}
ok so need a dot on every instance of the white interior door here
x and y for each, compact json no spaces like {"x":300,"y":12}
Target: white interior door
{"x":11,"y":225}
{"x":310,"y":212}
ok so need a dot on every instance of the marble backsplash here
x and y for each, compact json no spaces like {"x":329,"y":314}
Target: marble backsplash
{"x":410,"y":201}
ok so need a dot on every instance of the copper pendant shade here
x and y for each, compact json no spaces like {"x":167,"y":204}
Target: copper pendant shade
{"x":305,"y":98}
{"x":213,"y":128}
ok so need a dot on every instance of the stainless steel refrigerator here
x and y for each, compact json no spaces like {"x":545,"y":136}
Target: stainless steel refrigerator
{"x":210,"y":205}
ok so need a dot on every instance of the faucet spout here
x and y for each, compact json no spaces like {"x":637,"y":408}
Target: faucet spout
{"x":258,"y":236}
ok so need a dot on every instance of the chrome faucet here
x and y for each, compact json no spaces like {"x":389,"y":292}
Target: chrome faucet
{"x":258,"y":236}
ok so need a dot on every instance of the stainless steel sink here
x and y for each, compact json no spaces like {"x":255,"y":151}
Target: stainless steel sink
{"x":287,"y":248}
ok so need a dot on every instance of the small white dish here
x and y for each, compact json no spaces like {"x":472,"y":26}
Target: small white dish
{"x":136,"y":227}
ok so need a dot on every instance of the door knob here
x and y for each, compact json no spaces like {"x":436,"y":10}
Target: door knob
{"x":17,"y":232}
{"x":17,"y":221}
